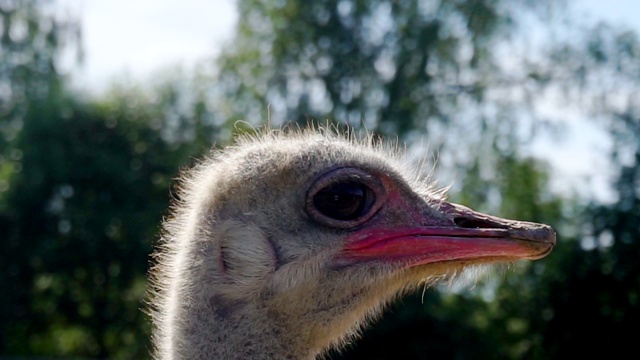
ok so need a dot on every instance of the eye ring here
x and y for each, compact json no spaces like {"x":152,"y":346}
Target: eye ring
{"x":344,"y":198}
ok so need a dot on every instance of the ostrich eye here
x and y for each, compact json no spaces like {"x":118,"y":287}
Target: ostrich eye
{"x":344,"y":200}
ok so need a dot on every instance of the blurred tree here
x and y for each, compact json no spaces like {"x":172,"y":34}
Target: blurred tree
{"x":589,"y":296}
{"x":82,"y":213}
{"x":82,"y":191}
{"x":582,"y":300}
{"x":30,"y":41}
{"x":392,"y":66}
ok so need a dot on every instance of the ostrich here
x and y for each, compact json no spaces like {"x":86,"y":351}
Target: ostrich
{"x":286,"y":244}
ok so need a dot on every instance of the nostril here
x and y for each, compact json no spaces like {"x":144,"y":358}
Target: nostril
{"x":472,"y":223}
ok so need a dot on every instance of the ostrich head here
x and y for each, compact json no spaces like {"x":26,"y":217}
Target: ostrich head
{"x":286,"y":244}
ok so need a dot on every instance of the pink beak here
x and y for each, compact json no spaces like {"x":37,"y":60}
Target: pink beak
{"x":470,"y":236}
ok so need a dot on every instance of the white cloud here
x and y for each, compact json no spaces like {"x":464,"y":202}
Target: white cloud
{"x":137,"y":37}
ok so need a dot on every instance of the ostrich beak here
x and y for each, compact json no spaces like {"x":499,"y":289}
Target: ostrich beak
{"x":468,"y":236}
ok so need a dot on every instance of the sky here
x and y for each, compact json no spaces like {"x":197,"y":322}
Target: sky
{"x":137,"y":39}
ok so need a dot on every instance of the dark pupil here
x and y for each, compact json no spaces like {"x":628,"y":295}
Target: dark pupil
{"x":342,"y":201}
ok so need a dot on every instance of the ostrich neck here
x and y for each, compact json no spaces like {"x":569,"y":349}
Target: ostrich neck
{"x":222,"y":330}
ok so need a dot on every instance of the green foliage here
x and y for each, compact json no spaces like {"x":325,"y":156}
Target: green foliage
{"x":392,"y":66}
{"x":84,"y":195}
{"x":29,"y":41}
{"x":79,"y":228}
{"x":429,"y":325}
{"x":596,"y":280}
{"x":82,"y":191}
